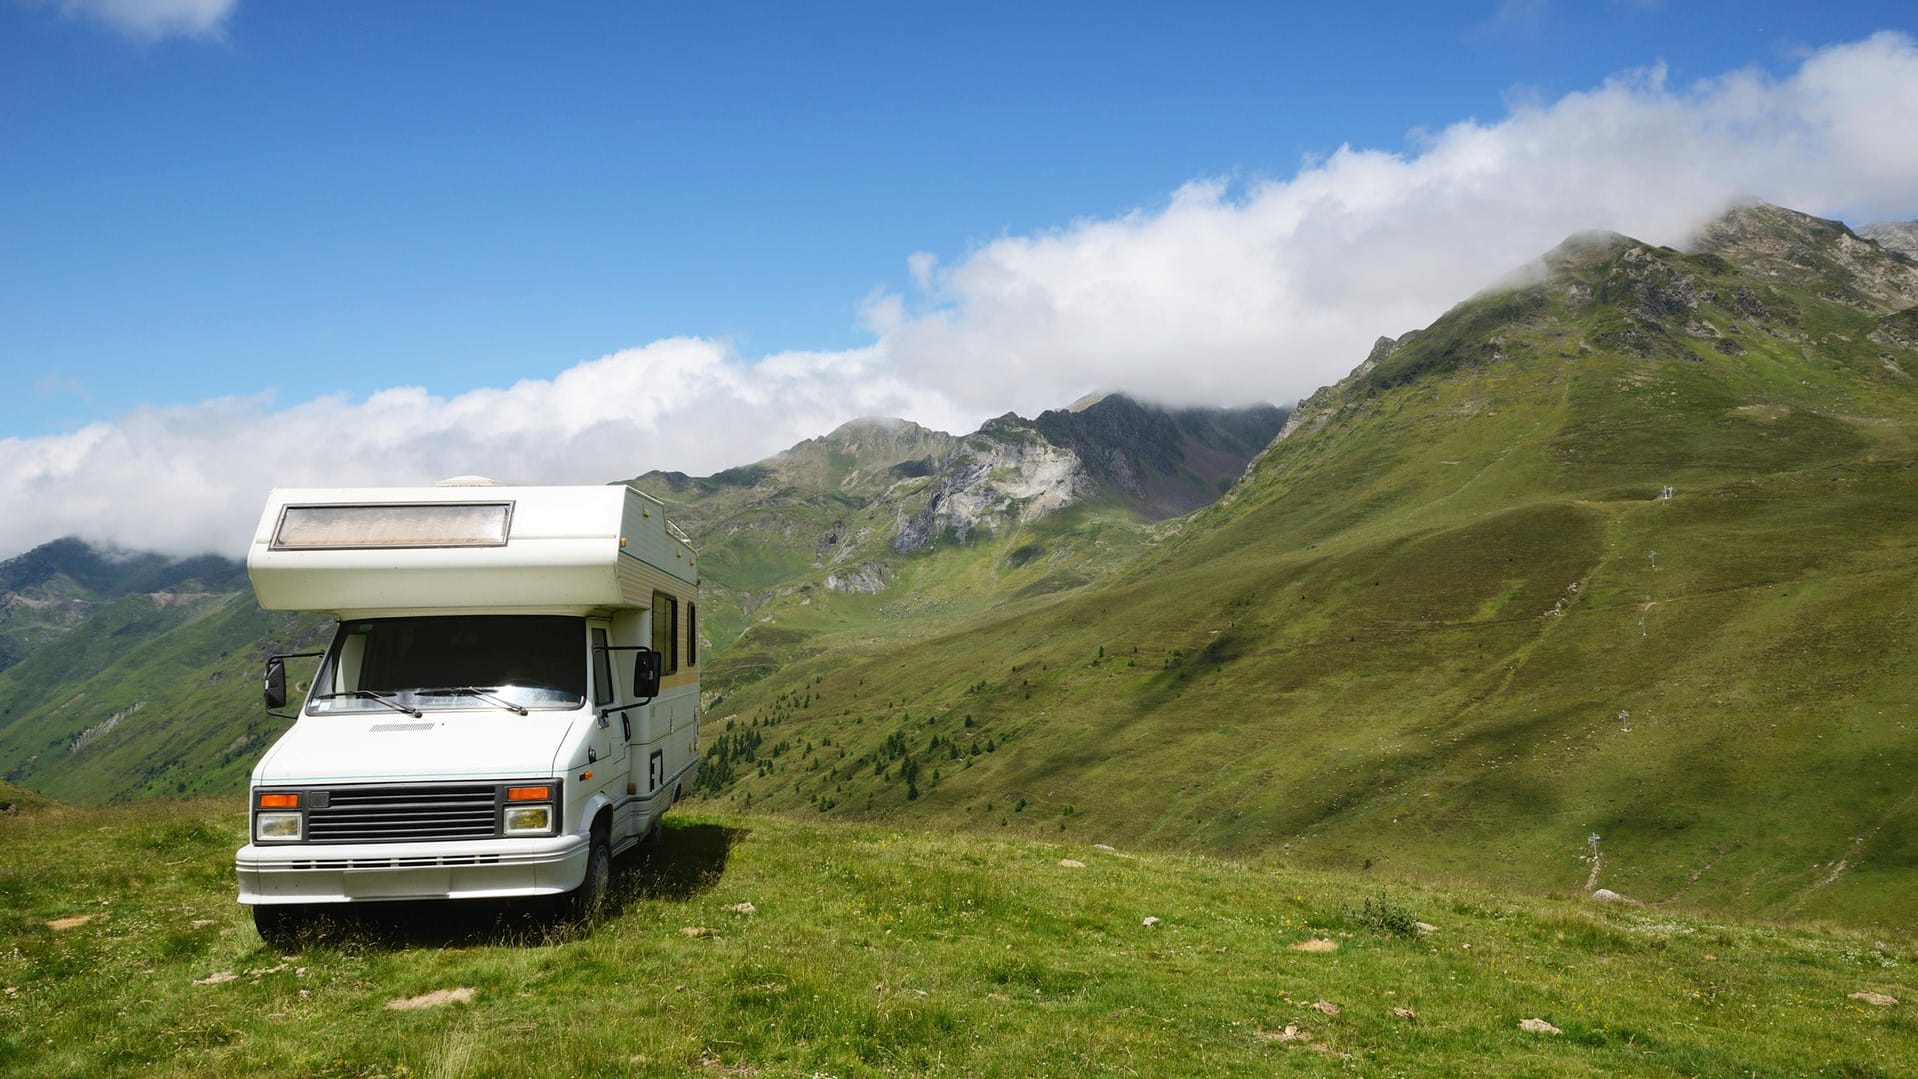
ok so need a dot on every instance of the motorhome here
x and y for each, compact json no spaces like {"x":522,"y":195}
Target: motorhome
{"x":509,"y":701}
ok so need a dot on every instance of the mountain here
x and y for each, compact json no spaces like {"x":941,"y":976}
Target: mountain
{"x":1167,"y":463}
{"x":883,"y":527}
{"x":54,"y":587}
{"x":1604,"y":579}
{"x":1899,"y":236}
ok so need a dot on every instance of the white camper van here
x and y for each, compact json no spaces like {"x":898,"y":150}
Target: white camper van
{"x":511,"y":697}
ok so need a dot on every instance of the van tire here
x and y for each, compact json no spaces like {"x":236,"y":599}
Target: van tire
{"x":584,"y":903}
{"x":280,"y":924}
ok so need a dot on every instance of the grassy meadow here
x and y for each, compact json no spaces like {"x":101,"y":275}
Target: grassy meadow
{"x":757,"y":946}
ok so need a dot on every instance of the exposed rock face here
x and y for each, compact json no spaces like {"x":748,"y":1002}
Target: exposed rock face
{"x":867,"y":577}
{"x":1771,"y":241}
{"x":1899,"y":236}
{"x":1006,"y":472}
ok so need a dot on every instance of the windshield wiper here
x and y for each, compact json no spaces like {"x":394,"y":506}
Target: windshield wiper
{"x":472,"y":691}
{"x":371,"y":695}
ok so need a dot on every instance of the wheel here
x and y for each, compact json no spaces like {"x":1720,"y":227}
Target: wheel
{"x":280,"y":924}
{"x":585,"y":902}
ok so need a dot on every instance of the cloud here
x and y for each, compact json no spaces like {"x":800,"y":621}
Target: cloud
{"x":1268,"y":290}
{"x":193,"y":478}
{"x":1225,"y":294}
{"x":154,"y":19}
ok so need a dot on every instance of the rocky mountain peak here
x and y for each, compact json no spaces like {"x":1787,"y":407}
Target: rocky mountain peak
{"x":1771,"y":242}
{"x":1171,"y":462}
{"x":1751,"y":271}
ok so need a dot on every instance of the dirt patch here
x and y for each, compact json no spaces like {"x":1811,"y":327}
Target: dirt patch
{"x":74,"y":922}
{"x":1879,"y":999}
{"x":1317,"y":944}
{"x":435,"y":999}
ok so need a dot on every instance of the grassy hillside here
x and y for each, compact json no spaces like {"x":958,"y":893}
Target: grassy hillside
{"x":1602,"y":581}
{"x":763,"y":946}
{"x":149,"y":696}
{"x":18,"y":799}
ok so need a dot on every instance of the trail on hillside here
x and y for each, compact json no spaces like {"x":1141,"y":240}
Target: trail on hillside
{"x":1858,"y":845}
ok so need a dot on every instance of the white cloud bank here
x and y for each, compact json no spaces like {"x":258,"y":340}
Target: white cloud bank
{"x":153,"y":19}
{"x":1222,"y":296}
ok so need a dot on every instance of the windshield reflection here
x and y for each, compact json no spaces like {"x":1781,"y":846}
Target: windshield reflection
{"x":510,"y":662}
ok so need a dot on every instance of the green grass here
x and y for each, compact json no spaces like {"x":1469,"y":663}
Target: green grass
{"x":872,"y":951}
{"x":147,"y":699}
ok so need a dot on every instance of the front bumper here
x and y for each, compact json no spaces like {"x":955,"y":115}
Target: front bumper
{"x":345,"y":873}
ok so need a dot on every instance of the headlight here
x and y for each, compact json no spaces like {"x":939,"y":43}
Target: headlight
{"x":529,"y":820}
{"x":277,"y":827}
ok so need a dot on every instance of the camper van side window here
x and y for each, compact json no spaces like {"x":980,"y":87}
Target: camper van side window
{"x":602,"y":669}
{"x":692,"y":635}
{"x":666,"y":631}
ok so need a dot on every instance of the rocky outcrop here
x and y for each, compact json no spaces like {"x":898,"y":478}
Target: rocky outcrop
{"x":867,"y":577}
{"x":1004,"y":474}
{"x":1772,"y":242}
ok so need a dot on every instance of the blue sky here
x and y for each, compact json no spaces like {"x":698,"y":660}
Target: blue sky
{"x":247,"y":216}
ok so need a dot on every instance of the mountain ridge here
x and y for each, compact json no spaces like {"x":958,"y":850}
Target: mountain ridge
{"x":797,"y":539}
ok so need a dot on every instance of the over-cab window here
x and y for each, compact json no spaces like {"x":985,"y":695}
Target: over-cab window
{"x":666,"y":631}
{"x":396,"y":524}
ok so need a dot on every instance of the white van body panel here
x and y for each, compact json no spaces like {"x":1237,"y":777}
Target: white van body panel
{"x":568,"y":549}
{"x":384,"y":747}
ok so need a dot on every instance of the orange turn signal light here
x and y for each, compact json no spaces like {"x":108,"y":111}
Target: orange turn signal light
{"x":279,"y":801}
{"x":528,"y":794}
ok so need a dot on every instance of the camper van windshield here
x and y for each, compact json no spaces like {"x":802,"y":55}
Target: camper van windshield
{"x":457,"y":661}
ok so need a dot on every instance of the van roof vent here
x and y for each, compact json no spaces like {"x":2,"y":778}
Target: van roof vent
{"x":466,"y":481}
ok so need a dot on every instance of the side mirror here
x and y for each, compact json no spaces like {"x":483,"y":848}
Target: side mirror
{"x":274,"y":688}
{"x":646,"y":673}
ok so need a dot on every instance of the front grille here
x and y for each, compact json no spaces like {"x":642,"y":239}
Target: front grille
{"x":404,"y":814}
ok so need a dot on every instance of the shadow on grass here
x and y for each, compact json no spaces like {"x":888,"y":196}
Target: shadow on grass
{"x":688,"y":862}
